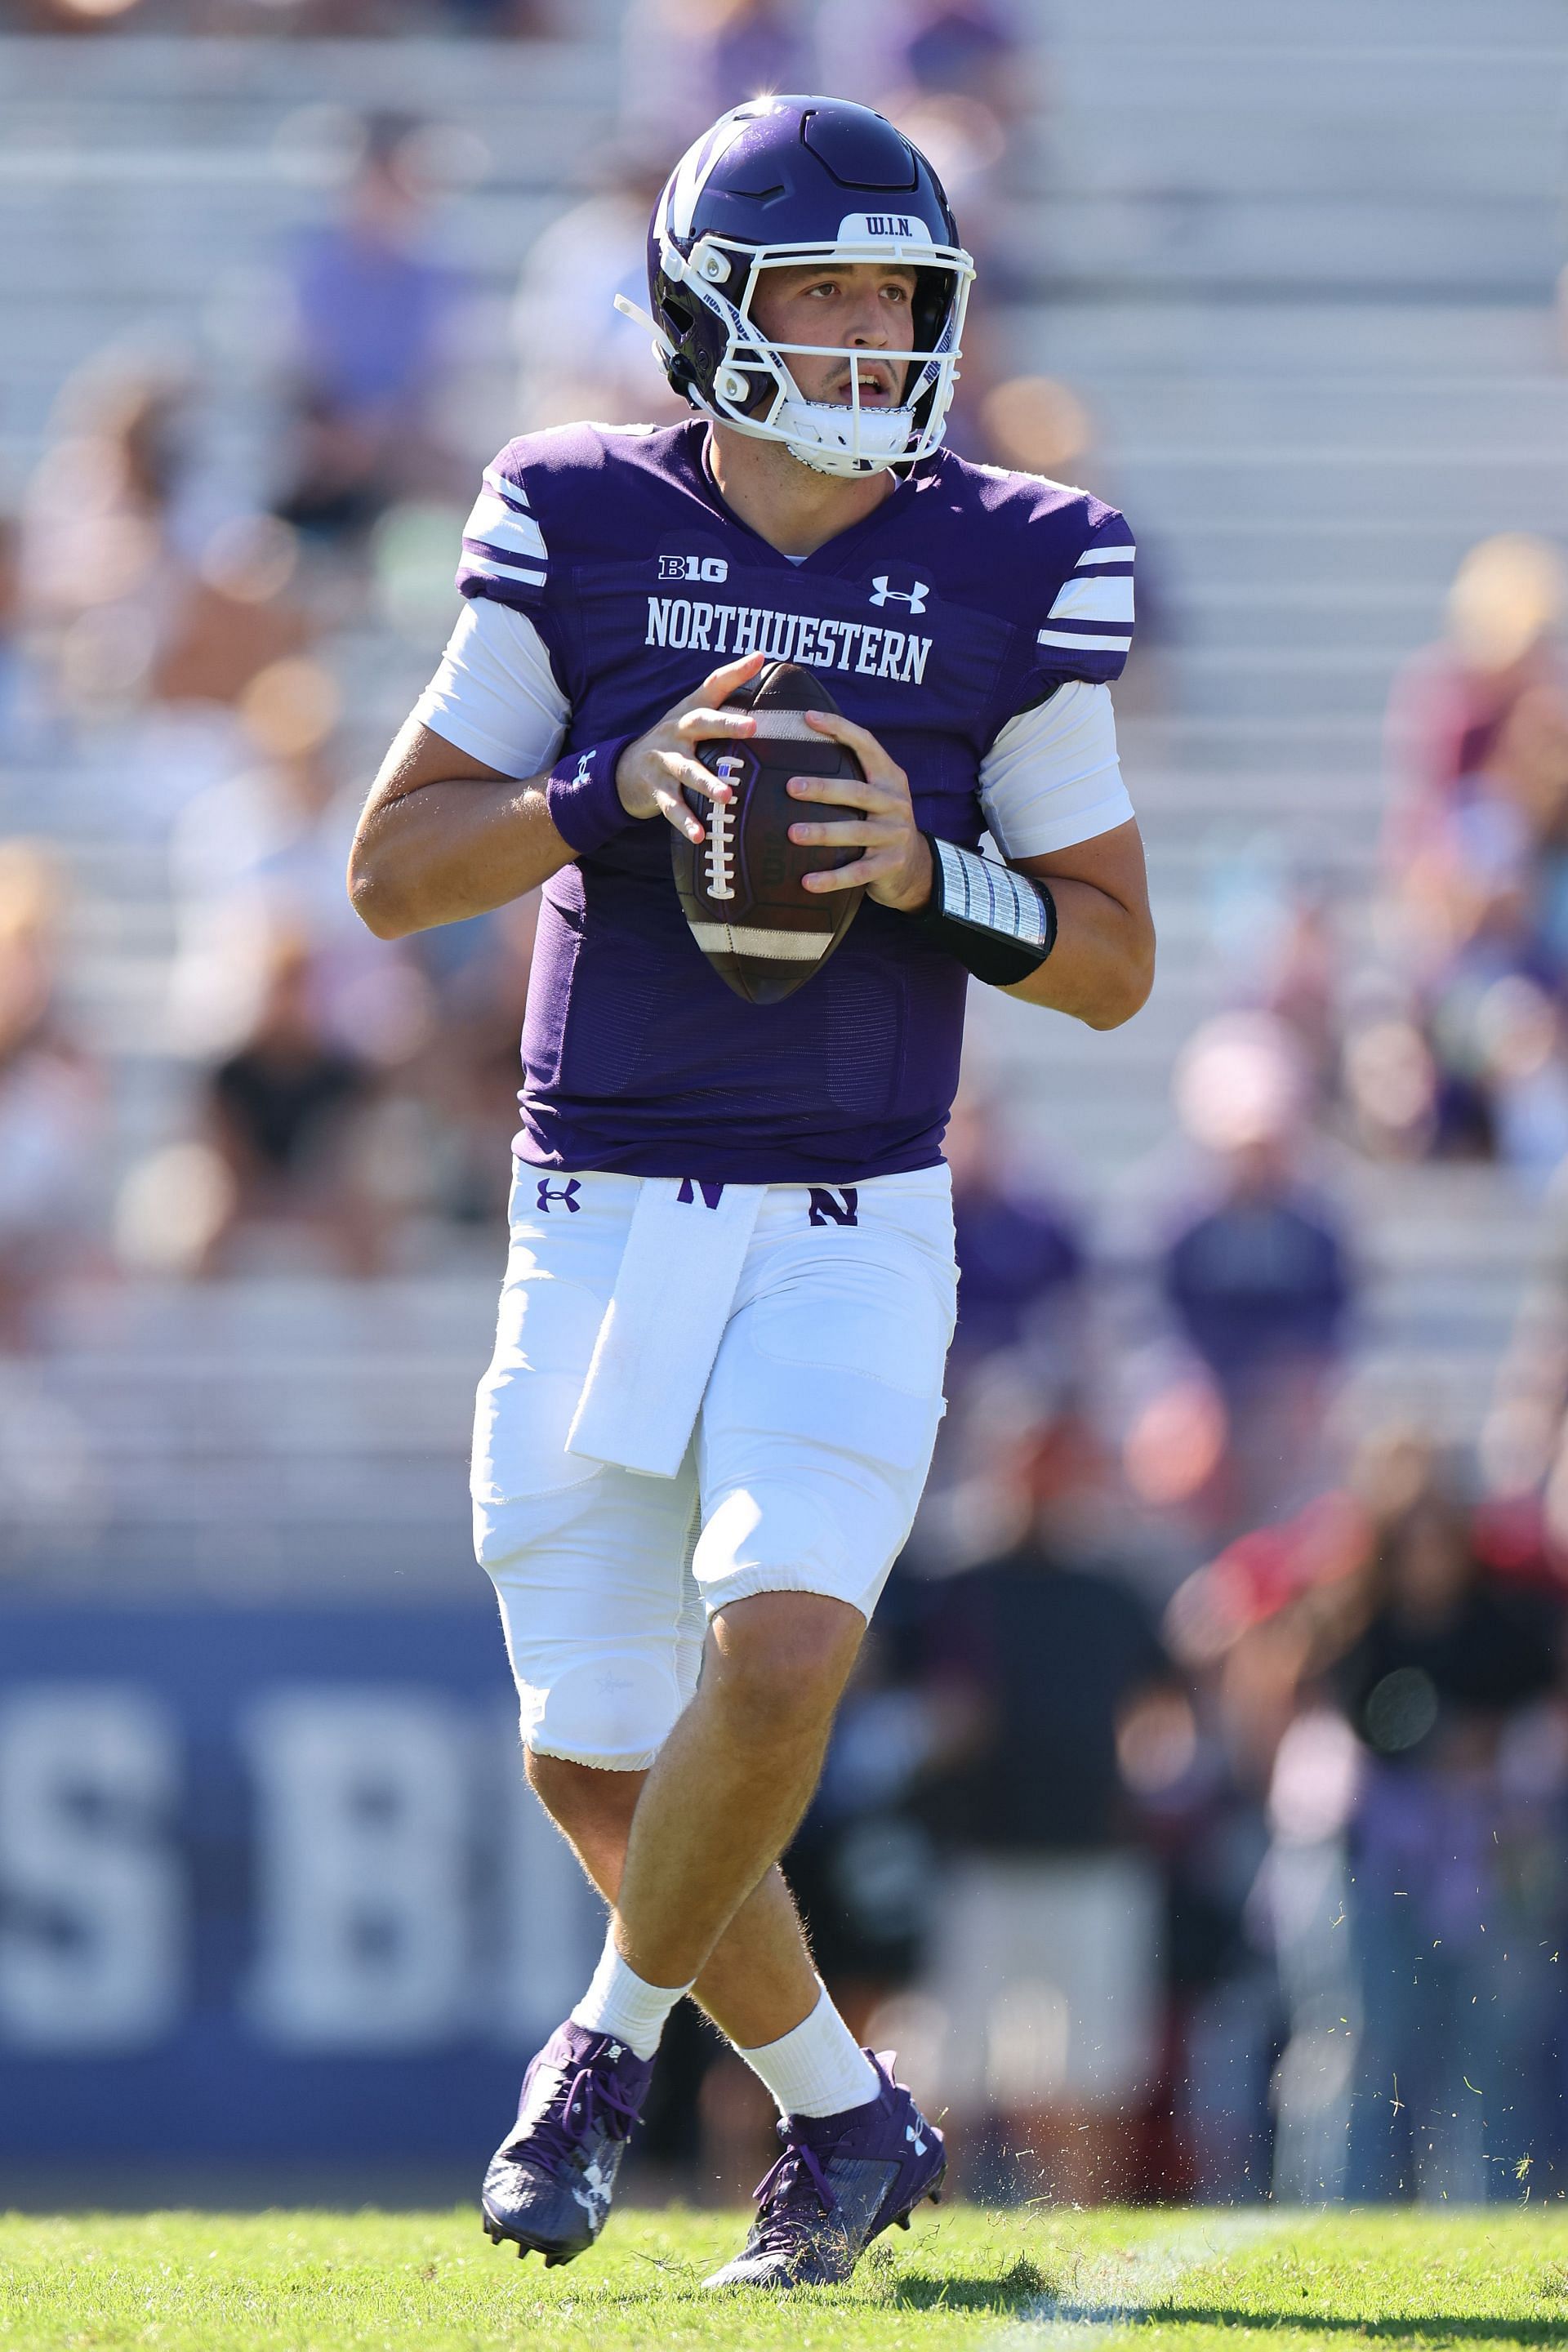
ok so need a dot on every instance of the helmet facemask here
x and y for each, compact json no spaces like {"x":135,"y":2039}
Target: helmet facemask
{"x":750,"y":386}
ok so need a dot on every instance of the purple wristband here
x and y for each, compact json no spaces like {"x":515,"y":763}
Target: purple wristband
{"x":580,"y":794}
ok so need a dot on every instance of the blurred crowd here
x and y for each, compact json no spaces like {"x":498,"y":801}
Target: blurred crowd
{"x":1194,"y":1823}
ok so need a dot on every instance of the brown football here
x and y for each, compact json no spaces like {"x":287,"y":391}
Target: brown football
{"x":741,"y":888}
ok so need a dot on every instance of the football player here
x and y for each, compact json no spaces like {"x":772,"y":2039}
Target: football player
{"x":718,"y":1369}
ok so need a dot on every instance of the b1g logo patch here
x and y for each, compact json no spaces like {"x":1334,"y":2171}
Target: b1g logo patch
{"x":711,"y":568}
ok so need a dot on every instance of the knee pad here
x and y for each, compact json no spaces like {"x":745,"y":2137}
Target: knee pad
{"x":616,"y":1709}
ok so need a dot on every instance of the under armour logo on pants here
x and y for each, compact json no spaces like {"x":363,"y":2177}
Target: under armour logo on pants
{"x":567,"y":1192}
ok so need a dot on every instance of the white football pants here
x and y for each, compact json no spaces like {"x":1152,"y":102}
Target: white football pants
{"x":806,"y":1464}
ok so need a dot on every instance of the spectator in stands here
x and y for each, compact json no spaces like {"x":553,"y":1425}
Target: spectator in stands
{"x":287,"y":1112}
{"x":1045,"y":1964}
{"x":235,"y":615}
{"x":684,"y":61}
{"x":103,"y":561}
{"x":373,"y":310}
{"x":463,"y":1072}
{"x":1021,"y":1254}
{"x":28,"y":715}
{"x":1449,"y":702}
{"x":1486,"y":897}
{"x":965,"y":48}
{"x":51,"y":1110}
{"x":263,"y":850}
{"x":1446,"y":1814}
{"x":578,"y":355}
{"x":1259,"y":1279}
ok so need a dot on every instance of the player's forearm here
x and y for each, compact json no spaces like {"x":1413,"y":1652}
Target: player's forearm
{"x":1101,"y":968}
{"x":447,"y":851}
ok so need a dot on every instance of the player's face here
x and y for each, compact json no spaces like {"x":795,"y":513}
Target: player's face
{"x":865,"y":307}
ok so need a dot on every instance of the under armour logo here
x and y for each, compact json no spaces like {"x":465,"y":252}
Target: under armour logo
{"x":567,"y":1192}
{"x":915,"y":597}
{"x":584,"y":762}
{"x":834,"y":1208}
{"x":594,"y":2195}
{"x":711,"y":1193}
{"x":912,"y":2136}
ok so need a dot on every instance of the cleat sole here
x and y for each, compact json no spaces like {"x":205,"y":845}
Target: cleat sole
{"x":498,"y":2236}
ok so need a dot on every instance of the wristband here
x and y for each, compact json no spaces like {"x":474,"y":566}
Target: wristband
{"x":580,"y":794}
{"x":1000,"y":925}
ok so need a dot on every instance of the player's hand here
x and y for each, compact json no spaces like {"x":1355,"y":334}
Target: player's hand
{"x":651,"y":772}
{"x":895,"y":861}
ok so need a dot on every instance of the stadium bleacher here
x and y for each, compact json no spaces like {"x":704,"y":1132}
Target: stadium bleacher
{"x":1301,"y":265}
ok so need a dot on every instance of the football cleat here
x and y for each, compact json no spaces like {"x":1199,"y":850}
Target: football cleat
{"x":550,"y":2182}
{"x":841,"y":2181}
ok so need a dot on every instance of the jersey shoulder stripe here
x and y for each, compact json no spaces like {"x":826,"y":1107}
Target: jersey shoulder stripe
{"x":504,"y":554}
{"x":1093,"y":609}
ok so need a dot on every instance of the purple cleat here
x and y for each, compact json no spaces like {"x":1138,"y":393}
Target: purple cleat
{"x":840,"y":2182}
{"x":550,"y":2182}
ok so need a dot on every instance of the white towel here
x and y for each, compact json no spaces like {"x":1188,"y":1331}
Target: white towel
{"x":685,"y":1248}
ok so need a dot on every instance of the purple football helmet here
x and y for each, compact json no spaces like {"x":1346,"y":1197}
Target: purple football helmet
{"x":780,"y":182}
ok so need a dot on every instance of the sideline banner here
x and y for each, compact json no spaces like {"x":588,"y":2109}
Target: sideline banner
{"x":270,"y":1883}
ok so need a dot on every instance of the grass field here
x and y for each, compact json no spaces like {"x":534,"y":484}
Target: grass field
{"x":313,"y":2281}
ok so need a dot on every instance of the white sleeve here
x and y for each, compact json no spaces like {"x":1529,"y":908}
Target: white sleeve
{"x":1052,"y":776}
{"x":495,"y":695}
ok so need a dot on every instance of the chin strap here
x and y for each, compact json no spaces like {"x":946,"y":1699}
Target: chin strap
{"x":663,"y":349}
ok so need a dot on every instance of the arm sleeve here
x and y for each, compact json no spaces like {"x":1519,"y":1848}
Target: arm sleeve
{"x":1052,"y":777}
{"x":495,"y":695}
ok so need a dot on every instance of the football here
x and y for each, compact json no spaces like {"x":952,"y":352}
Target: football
{"x":741,"y":886}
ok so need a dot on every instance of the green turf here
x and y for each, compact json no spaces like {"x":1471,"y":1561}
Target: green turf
{"x":313,"y":2281}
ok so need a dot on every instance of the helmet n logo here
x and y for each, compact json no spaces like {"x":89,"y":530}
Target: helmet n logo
{"x":915,"y":597}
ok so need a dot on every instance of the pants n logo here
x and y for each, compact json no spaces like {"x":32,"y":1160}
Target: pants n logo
{"x":834,"y":1208}
{"x":567,"y":1192}
{"x":711,"y":1193}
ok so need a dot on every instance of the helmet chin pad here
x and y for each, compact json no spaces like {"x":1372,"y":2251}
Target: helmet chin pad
{"x":834,"y":437}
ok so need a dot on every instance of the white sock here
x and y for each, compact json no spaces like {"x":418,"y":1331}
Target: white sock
{"x":818,"y":2069}
{"x":618,"y":2001}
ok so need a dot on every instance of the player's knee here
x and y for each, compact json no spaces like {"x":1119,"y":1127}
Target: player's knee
{"x":781,"y":1659}
{"x":591,"y":1805}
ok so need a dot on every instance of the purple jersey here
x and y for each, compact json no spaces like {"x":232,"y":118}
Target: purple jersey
{"x":965,"y":598}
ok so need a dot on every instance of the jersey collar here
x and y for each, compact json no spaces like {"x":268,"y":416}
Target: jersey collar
{"x":829,"y":555}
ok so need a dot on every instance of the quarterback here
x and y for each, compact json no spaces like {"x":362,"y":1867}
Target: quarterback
{"x":718,"y":1369}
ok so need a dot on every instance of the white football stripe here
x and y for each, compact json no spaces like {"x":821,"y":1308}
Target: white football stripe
{"x":492,"y":567}
{"x":785,"y":726}
{"x":1093,"y":599}
{"x":500,"y":488}
{"x":747,"y":938}
{"x":1086,"y":645}
{"x":500,"y":525}
{"x":1105,"y":556}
